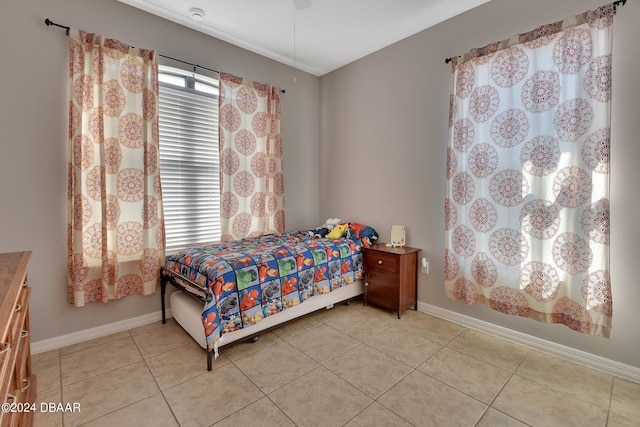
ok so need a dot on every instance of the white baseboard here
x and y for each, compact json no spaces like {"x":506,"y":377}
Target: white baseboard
{"x":608,"y":366}
{"x":97,"y":332}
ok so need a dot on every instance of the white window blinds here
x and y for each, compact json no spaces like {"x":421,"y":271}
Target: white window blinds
{"x":189,"y":160}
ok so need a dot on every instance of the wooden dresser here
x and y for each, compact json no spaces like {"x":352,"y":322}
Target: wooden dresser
{"x":391,"y":277}
{"x":17,"y":384}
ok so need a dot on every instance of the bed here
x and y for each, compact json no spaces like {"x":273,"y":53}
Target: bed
{"x":234,"y":290}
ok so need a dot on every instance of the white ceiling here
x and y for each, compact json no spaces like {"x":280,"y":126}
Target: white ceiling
{"x":318,"y":38}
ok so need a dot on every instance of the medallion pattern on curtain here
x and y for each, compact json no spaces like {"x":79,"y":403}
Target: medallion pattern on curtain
{"x":115,"y":230}
{"x":251,"y":178}
{"x":527,"y":197}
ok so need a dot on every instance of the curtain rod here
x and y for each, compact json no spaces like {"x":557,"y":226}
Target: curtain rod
{"x":615,"y":9}
{"x":49,"y":23}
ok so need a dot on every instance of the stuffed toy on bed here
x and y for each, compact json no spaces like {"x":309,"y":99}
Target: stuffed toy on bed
{"x":338,"y":231}
{"x":318,"y":232}
{"x":366,"y":234}
{"x":325,"y":228}
{"x":331,"y":223}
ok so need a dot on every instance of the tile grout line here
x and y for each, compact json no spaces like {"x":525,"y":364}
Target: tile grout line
{"x":613,"y":381}
{"x":558,"y":390}
{"x":385,"y":391}
{"x":232,"y":362}
{"x":511,"y":374}
{"x":320,"y":364}
{"x":132,"y":403}
{"x":390,"y":409}
{"x":61,"y":387}
{"x":155,"y":380}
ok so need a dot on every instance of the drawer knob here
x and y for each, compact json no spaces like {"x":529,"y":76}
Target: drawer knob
{"x":24,"y":333}
{"x":18,"y":307}
{"x":380,"y":262}
{"x":27,"y":382}
{"x":5,"y":347}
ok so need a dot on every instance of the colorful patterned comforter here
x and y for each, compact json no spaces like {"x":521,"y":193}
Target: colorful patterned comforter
{"x":251,"y":279}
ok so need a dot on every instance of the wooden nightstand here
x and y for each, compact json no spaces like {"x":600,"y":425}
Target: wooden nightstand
{"x":391,"y":277}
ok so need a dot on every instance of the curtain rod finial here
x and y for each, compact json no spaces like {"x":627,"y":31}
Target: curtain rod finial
{"x":49,"y":23}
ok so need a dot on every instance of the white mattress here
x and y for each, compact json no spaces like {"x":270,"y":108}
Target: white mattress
{"x":187,"y":311}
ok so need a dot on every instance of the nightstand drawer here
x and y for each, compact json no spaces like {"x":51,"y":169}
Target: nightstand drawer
{"x":381,"y":287}
{"x":380,"y":261}
{"x":382,"y":279}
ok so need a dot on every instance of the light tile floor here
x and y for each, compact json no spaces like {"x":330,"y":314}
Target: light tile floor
{"x":347,"y":366}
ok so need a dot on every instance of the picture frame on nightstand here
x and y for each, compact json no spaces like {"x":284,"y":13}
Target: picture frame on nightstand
{"x":398,"y":236}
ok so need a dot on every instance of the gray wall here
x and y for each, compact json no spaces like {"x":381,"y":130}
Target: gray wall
{"x":33,"y":128}
{"x":383,"y":153}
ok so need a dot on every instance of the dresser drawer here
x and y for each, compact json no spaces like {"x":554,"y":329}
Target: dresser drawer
{"x":7,"y":358}
{"x":18,"y":316}
{"x":11,"y":396}
{"x":10,"y":349}
{"x":10,"y":419}
{"x":22,"y":370}
{"x":380,"y":261}
{"x":20,"y":414}
{"x":17,"y":382}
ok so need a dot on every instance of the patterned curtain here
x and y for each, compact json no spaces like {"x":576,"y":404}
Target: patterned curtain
{"x":115,"y":230}
{"x":252,"y":183}
{"x":527,"y":198}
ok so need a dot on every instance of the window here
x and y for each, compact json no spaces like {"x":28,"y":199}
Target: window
{"x":189,"y":159}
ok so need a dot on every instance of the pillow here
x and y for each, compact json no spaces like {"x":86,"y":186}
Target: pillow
{"x":338,"y":231}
